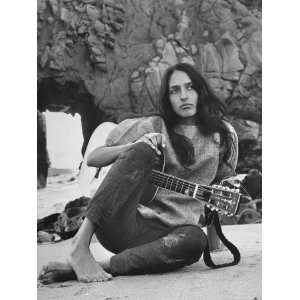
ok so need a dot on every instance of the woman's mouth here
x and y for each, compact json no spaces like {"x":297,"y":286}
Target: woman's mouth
{"x":186,"y":106}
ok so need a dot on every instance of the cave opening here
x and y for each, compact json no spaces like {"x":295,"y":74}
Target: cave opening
{"x":67,"y":116}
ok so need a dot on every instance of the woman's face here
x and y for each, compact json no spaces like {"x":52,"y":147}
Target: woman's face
{"x":183,"y":97}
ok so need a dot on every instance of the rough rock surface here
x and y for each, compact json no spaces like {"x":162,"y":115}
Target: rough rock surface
{"x":105,"y":58}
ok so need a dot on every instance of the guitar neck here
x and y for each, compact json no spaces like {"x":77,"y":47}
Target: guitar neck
{"x":178,"y":185}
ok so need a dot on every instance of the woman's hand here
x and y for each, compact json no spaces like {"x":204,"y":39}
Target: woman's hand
{"x":154,"y":140}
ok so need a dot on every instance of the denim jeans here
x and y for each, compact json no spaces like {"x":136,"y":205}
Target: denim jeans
{"x":141,"y":245}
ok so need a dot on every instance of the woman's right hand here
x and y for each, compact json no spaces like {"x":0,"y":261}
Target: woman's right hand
{"x":154,"y":140}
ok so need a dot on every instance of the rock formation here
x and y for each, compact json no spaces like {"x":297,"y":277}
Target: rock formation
{"x":105,"y":58}
{"x":42,"y":153}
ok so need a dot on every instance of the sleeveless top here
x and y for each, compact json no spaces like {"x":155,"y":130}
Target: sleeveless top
{"x":169,"y":207}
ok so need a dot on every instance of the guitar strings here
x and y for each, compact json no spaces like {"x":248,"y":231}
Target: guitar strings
{"x":165,"y":178}
{"x":175,"y":182}
{"x":172,"y":182}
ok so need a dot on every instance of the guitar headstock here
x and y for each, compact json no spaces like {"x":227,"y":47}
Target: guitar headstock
{"x":224,"y":199}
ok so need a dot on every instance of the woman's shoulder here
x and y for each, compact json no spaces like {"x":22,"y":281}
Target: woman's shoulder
{"x":132,"y":128}
{"x":153,"y":123}
{"x":149,"y":119}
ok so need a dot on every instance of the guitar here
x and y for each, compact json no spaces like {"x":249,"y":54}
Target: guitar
{"x":216,"y":197}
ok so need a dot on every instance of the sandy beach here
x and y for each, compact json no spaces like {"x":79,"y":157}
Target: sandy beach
{"x":60,"y":190}
{"x":241,"y":282}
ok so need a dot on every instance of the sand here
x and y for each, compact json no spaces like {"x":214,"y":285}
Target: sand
{"x":241,"y":282}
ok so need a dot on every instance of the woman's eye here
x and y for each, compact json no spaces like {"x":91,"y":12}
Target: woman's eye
{"x":174,"y":91}
{"x":189,"y":87}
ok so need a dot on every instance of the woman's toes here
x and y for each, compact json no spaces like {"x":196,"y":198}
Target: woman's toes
{"x":47,"y":278}
{"x":56,"y":272}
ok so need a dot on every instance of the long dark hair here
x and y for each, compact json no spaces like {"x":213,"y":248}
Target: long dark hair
{"x":209,"y":117}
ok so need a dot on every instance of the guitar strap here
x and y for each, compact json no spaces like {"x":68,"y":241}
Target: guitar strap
{"x":213,"y":218}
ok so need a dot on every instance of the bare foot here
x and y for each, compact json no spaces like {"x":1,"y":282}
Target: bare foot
{"x":56,"y":272}
{"x":86,"y":267}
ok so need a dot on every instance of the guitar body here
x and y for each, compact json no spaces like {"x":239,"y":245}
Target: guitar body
{"x":87,"y":179}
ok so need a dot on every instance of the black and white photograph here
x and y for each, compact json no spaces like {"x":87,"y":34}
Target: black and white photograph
{"x":149,"y":149}
{"x":136,"y":136}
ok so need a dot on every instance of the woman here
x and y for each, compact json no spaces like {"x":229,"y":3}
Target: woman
{"x":197,"y":144}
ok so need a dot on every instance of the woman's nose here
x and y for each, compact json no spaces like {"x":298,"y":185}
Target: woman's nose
{"x":183,"y":94}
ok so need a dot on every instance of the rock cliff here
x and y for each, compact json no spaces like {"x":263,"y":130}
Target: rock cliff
{"x":105,"y":58}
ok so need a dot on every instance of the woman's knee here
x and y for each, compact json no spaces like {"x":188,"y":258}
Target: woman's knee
{"x":140,"y":153}
{"x":189,"y":241}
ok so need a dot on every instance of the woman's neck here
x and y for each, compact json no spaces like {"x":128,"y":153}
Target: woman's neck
{"x":189,"y":130}
{"x":187,"y":121}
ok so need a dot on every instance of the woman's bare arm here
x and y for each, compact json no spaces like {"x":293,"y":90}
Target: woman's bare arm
{"x":105,"y":155}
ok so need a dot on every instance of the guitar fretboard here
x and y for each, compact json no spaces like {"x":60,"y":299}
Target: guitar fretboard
{"x":178,"y":185}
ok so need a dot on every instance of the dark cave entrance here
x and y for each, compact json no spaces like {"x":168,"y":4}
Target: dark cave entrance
{"x":70,"y":98}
